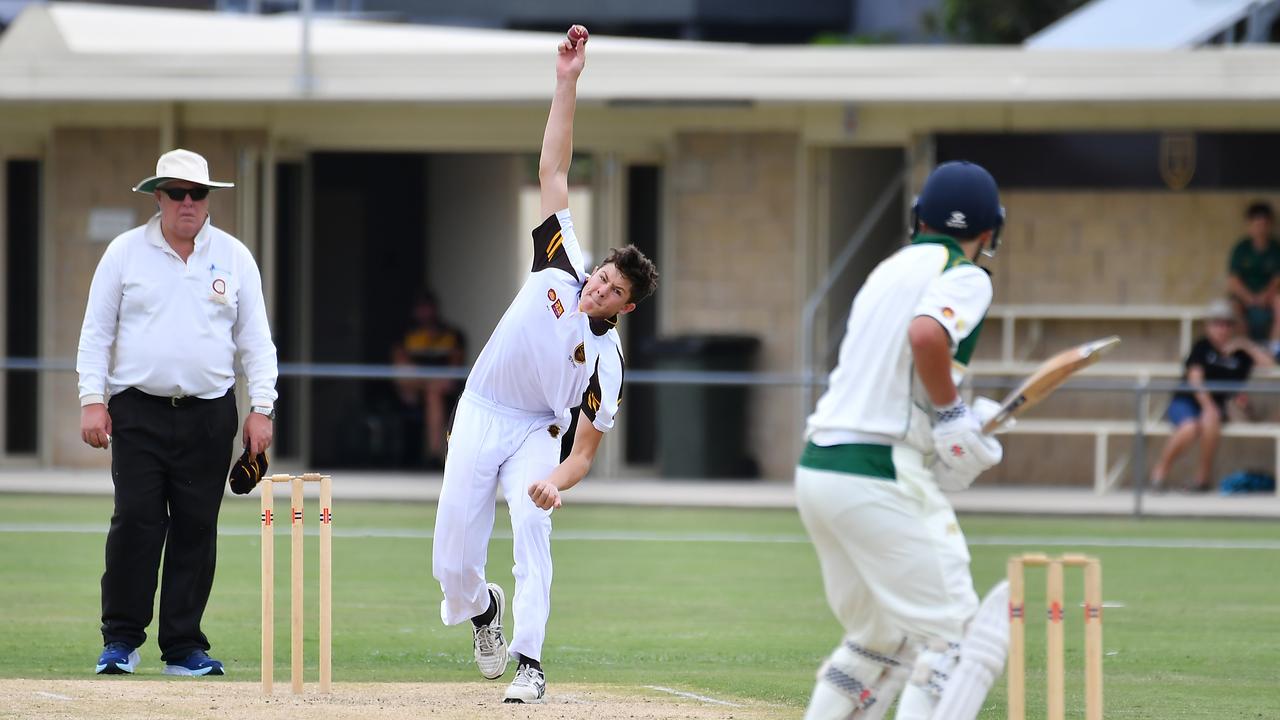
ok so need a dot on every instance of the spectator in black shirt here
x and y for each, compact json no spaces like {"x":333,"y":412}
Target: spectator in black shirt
{"x":1222,"y":355}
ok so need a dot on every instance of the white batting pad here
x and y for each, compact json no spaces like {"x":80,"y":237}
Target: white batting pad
{"x":857,"y":683}
{"x":982,"y":655}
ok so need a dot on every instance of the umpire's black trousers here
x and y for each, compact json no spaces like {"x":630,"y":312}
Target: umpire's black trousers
{"x":169,"y":464}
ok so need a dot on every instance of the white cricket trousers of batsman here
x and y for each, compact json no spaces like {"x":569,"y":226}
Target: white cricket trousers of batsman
{"x":492,"y":446}
{"x":894,"y":562}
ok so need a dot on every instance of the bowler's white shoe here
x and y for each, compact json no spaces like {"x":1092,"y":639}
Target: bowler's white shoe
{"x":491,"y":647}
{"x":528,"y":687}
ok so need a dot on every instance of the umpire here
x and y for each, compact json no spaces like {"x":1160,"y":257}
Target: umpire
{"x":173,"y":305}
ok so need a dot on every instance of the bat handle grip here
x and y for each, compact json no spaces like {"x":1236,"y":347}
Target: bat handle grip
{"x":994,"y":423}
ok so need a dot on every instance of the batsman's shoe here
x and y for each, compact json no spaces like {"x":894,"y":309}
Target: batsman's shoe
{"x":491,"y":646}
{"x":528,"y":687}
{"x":196,"y":664}
{"x":117,"y":658}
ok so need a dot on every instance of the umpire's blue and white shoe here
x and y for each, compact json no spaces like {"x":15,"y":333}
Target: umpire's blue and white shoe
{"x":196,"y":664}
{"x":490,"y":645}
{"x":117,"y":658}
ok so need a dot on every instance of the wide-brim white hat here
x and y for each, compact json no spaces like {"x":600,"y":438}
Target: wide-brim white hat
{"x":180,"y":165}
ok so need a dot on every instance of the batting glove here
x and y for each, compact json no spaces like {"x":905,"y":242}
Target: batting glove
{"x":985,"y":408}
{"x":964,"y":451}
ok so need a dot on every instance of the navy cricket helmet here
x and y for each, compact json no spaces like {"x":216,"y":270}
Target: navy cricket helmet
{"x":960,"y":199}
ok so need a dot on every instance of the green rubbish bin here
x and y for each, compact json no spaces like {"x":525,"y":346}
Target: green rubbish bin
{"x":702,"y":429}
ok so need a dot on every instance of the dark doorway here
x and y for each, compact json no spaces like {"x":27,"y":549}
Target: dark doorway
{"x":286,"y":325}
{"x":21,"y":261}
{"x":644,"y":223}
{"x":368,"y":259}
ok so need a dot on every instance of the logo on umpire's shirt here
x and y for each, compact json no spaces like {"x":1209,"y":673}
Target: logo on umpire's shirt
{"x":580,"y":354}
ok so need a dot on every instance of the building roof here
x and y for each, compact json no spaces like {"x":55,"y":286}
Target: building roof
{"x":1140,"y":24}
{"x":78,"y":52}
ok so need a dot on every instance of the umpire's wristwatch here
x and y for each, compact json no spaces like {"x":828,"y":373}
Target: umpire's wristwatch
{"x":267,"y":410}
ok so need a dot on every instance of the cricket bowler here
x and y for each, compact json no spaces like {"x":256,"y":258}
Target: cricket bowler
{"x":555,"y":348}
{"x":888,"y":436}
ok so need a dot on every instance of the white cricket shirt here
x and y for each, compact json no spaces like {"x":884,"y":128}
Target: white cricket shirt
{"x":874,"y":395}
{"x":171,"y":328}
{"x":545,"y":355}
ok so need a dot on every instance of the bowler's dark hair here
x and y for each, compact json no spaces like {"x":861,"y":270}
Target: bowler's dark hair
{"x":636,"y":268}
{"x":1259,"y":209}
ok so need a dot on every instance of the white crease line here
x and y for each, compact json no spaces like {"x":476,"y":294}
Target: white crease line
{"x":52,"y":696}
{"x":693,"y":696}
{"x":708,"y":537}
{"x":1120,"y":542}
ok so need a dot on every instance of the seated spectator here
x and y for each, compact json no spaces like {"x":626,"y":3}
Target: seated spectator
{"x":1222,"y":355}
{"x":1254,"y":281}
{"x":429,"y":341}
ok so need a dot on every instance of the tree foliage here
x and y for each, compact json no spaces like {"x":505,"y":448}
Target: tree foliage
{"x":997,"y":22}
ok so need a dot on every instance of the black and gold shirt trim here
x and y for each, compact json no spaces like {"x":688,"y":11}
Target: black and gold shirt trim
{"x":548,"y":248}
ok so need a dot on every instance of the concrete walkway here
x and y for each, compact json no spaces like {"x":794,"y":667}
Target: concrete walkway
{"x":357,"y":485}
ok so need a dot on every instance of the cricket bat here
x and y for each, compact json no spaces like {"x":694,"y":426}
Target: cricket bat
{"x":1048,"y":377}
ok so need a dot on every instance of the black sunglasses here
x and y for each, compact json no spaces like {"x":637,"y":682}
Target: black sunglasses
{"x":178,"y":194}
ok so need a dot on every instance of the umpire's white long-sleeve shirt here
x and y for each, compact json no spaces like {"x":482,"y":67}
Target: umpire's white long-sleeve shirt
{"x":174,"y":329}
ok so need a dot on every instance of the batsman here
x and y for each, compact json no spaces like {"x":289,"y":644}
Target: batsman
{"x":887,"y":438}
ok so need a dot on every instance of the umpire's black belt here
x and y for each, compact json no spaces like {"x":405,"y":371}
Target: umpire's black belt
{"x":183,"y":401}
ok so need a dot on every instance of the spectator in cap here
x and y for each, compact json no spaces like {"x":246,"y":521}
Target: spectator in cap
{"x":175,"y":304}
{"x":1222,"y":355}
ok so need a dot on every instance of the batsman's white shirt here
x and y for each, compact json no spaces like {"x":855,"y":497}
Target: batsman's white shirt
{"x":873,"y":393}
{"x":544,"y":357}
{"x":894,"y":562}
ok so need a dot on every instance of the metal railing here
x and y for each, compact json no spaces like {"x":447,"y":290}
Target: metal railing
{"x":1141,"y":389}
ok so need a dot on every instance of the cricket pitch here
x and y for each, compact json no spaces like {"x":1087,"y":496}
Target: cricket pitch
{"x":181,"y":699}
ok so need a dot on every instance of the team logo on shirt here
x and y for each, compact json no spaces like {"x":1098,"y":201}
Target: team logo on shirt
{"x":219,"y":294}
{"x":948,"y":313}
{"x":557,"y":308}
{"x":580,"y":354}
{"x":551,"y":294}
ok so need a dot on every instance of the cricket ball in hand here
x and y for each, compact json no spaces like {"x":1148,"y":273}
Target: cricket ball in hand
{"x":576,"y":33}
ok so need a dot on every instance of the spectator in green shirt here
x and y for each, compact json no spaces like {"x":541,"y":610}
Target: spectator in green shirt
{"x":1254,"y":283}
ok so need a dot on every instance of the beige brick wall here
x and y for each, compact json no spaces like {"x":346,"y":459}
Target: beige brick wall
{"x":91,"y":168}
{"x":732,"y":261}
{"x":1118,"y":247}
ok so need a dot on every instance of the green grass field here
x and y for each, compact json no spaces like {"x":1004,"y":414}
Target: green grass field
{"x":724,"y":603}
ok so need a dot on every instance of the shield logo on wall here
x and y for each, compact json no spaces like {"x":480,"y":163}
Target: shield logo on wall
{"x":1177,"y":159}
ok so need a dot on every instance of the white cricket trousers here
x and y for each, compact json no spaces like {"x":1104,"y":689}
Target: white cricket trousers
{"x":894,"y":562}
{"x":492,"y":446}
